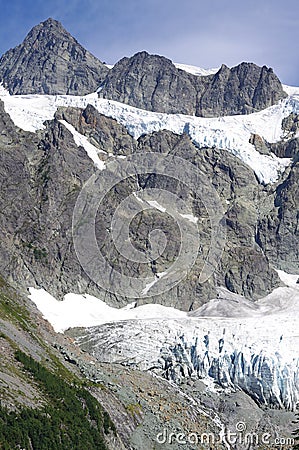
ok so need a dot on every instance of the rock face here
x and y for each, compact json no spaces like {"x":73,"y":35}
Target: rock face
{"x":278,"y":230}
{"x":36,"y":226}
{"x":45,"y":173}
{"x":51,"y":61}
{"x":262,"y":230}
{"x":154,"y":83}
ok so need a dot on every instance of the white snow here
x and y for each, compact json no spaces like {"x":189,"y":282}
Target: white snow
{"x":156,"y":205}
{"x":291,"y":90}
{"x":242,"y":337}
{"x":196,"y":70}
{"x":190,"y":217}
{"x":231,"y":133}
{"x":149,"y":285}
{"x":29,"y":112}
{"x":81,"y":140}
{"x":3,"y":91}
{"x":85,"y":310}
{"x":288,"y":279}
{"x":255,"y":353}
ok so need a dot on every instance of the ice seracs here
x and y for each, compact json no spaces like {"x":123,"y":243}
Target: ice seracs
{"x":232,"y":341}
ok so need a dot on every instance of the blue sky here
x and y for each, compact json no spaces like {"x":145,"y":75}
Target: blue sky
{"x":203,"y":33}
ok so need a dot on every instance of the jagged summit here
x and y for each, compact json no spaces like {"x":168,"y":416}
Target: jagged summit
{"x":46,"y":25}
{"x":51,"y":61}
{"x":154,"y":83}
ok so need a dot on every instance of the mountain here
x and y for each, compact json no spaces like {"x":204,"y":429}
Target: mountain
{"x":50,"y":61}
{"x":151,"y":215}
{"x":154,"y":83}
{"x":43,"y":254}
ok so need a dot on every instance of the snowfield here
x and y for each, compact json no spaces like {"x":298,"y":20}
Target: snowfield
{"x":78,"y":310}
{"x":231,"y":133}
{"x":199,"y":71}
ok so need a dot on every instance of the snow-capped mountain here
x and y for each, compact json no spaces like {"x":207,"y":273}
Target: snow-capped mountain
{"x":77,"y":146}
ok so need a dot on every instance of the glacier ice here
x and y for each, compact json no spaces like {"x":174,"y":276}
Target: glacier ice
{"x":230,"y":341}
{"x":231,"y":133}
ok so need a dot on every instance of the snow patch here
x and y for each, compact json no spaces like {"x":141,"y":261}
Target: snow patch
{"x":81,"y":140}
{"x":190,"y":217}
{"x":3,"y":92}
{"x":149,"y":285}
{"x":86,"y":311}
{"x":289,"y":279}
{"x":196,"y":70}
{"x":156,"y":205}
{"x":291,"y":90}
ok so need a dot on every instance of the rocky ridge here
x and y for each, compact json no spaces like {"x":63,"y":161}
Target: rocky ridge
{"x":51,"y":61}
{"x":154,"y":83}
{"x":40,"y":254}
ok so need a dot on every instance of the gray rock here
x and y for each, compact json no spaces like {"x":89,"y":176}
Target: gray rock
{"x":154,"y":83}
{"x":277,"y":231}
{"x":44,"y":174}
{"x":260,"y":144}
{"x":51,"y":61}
{"x":286,"y":149}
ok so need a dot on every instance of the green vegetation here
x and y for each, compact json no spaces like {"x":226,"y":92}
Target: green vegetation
{"x":37,"y":252}
{"x":11,"y":309}
{"x":134,"y":409}
{"x":71,"y":420}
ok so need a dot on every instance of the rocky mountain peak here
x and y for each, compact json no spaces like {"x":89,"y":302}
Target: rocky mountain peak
{"x":47,"y":26}
{"x":154,"y":83}
{"x":51,"y":61}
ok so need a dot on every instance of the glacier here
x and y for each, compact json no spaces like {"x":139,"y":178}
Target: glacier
{"x":230,"y":343}
{"x":231,"y":133}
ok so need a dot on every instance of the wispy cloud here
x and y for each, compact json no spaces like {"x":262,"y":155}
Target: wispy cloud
{"x":194,"y":31}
